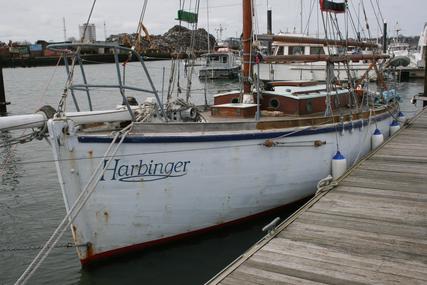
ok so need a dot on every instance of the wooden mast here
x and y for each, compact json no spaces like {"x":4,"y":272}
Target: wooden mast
{"x":247,"y":41}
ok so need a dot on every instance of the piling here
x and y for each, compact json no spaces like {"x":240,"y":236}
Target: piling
{"x":3,"y":103}
{"x":385,"y":38}
{"x":269,"y":29}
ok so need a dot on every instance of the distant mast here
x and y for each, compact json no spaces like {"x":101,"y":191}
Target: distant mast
{"x":65,"y":29}
{"x":247,"y":40}
{"x":105,"y":31}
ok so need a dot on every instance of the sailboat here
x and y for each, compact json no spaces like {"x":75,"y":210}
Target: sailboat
{"x":148,"y":173}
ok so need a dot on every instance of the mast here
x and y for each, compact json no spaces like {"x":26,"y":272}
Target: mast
{"x":247,"y":40}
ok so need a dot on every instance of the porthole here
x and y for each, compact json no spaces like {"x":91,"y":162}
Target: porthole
{"x":274,"y":103}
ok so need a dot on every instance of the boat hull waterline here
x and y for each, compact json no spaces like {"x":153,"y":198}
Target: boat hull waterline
{"x":161,"y":187}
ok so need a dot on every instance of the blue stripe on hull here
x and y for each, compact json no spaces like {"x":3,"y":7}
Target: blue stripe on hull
{"x":229,"y":137}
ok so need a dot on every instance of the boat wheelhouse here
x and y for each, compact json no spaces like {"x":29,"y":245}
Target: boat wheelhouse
{"x":220,"y":65}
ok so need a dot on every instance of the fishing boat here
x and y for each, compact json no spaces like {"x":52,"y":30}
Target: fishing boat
{"x":223,"y":64}
{"x":151,"y":172}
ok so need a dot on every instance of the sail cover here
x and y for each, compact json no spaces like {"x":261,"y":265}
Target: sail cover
{"x":329,"y":6}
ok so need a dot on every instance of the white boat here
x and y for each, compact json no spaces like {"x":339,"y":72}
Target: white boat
{"x":396,"y":47}
{"x":149,"y":173}
{"x":417,"y":58}
{"x":223,"y":64}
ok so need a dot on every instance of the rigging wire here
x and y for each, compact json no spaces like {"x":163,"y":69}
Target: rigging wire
{"x":366,"y":20}
{"x":379,"y":11}
{"x":192,"y":54}
{"x":307,"y":27}
{"x":62,"y":102}
{"x":376,"y":17}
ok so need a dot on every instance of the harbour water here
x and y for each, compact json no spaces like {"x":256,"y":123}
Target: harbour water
{"x":31,"y":204}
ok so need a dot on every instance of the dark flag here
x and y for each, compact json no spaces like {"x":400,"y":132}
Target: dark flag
{"x":329,"y":6}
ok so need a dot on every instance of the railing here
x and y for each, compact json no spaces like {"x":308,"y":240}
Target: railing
{"x":74,"y":49}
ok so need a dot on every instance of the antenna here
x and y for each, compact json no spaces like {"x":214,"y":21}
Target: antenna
{"x":219,"y":30}
{"x":105,"y":31}
{"x":65,"y":29}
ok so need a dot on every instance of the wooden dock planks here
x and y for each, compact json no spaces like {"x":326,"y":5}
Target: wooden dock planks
{"x":370,"y":229}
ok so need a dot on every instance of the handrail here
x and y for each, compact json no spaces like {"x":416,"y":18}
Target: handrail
{"x":65,"y":49}
{"x":82,"y":87}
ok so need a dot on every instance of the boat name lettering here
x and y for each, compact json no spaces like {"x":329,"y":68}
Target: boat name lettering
{"x":144,"y":171}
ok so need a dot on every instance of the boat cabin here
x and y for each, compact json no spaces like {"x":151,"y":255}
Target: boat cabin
{"x":283,"y":99}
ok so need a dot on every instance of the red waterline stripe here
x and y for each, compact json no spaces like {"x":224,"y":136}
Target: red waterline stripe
{"x":138,"y":247}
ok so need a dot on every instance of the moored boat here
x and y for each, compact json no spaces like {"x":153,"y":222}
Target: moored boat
{"x":220,"y":65}
{"x":149,"y":173}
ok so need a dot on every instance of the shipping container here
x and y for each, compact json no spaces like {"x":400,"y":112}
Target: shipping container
{"x":35,"y":48}
{"x":19,"y":50}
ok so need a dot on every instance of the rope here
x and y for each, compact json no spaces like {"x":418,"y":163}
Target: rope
{"x":192,"y":55}
{"x":75,"y":209}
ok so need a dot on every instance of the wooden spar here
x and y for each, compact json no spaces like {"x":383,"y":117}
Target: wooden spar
{"x":323,"y":57}
{"x":306,"y":40}
{"x":247,"y":41}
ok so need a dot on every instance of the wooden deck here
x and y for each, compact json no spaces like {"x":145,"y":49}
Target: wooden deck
{"x":370,"y":229}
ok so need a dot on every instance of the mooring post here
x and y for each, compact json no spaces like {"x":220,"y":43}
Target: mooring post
{"x":385,"y":37}
{"x":269,"y":29}
{"x":3,"y":103}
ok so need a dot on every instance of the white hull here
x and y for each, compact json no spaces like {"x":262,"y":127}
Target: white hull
{"x":157,"y":190}
{"x":311,"y":71}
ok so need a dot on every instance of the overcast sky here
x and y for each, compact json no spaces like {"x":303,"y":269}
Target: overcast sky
{"x":43,"y":19}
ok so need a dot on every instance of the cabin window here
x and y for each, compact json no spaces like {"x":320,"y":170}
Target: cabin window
{"x":309,"y":107}
{"x":224,"y":59}
{"x":235,"y":100}
{"x":317,"y":50}
{"x":213,"y":58}
{"x":281,"y":51}
{"x":296,"y":50}
{"x":274,"y":103}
